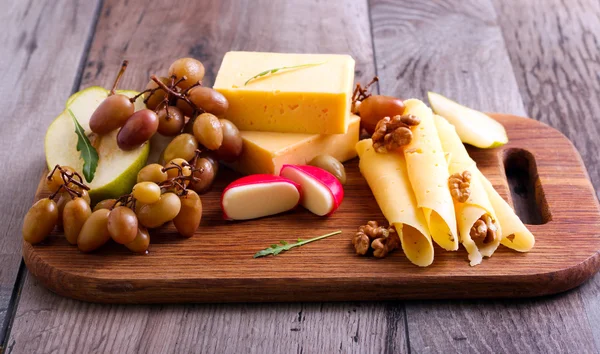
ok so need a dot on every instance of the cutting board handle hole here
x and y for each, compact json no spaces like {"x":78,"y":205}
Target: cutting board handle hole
{"x":526,"y":191}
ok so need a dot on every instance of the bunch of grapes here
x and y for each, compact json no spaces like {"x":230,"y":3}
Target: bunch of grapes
{"x":171,"y":103}
{"x":178,"y":106}
{"x":70,"y":210}
{"x":161,"y":195}
{"x":202,"y":126}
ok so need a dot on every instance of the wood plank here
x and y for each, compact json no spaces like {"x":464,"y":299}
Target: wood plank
{"x":65,"y":325}
{"x":457,"y":49}
{"x":556,"y":62}
{"x":37,"y":76}
{"x":191,"y":270}
{"x":47,"y":322}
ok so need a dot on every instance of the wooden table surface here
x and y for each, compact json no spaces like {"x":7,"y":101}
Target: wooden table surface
{"x":536,"y":58}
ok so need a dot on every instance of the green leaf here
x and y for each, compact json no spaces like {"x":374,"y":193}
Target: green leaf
{"x":273,"y":71}
{"x":285,"y":246}
{"x":88,"y":152}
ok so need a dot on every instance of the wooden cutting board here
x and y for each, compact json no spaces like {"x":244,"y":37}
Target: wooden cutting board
{"x":551,"y":188}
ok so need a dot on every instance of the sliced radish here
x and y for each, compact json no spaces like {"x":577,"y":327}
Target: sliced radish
{"x":256,"y":196}
{"x":322,"y":193}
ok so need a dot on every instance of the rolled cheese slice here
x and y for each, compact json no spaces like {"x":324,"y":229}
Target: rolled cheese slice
{"x":516,"y":235}
{"x":387,"y":177}
{"x":428,"y":173}
{"x":470,"y":211}
{"x":478,"y":204}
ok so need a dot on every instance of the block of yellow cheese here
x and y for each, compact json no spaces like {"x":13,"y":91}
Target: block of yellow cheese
{"x":266,"y":152}
{"x":313,"y":99}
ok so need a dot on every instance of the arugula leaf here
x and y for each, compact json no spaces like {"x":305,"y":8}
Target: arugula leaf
{"x":88,"y":152}
{"x":277,"y":249}
{"x":273,"y":71}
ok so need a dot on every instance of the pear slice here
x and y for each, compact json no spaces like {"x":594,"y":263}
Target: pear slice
{"x":473,"y":127}
{"x":117,"y":169}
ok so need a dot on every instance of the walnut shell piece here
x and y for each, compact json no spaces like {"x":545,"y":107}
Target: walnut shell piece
{"x":459,"y":184}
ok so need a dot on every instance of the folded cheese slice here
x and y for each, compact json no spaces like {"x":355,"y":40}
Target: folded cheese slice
{"x":428,"y":174}
{"x":387,"y":177}
{"x":478,"y":204}
{"x":516,"y":235}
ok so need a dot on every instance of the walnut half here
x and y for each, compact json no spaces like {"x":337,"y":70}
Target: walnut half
{"x":391,"y":134}
{"x":484,"y":230}
{"x":379,"y":239}
{"x":459,"y":184}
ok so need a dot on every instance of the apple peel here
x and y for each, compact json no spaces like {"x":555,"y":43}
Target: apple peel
{"x":322,"y":192}
{"x":259,"y":195}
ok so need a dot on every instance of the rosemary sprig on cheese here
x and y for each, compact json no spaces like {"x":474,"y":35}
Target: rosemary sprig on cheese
{"x":273,"y":71}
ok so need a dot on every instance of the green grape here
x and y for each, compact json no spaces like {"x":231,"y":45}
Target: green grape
{"x":85,"y":195}
{"x":94,"y":233}
{"x":54,"y":181}
{"x":105,"y":204}
{"x":146,"y":192}
{"x":152,"y":173}
{"x":183,"y":146}
{"x":185,"y":108}
{"x":191,"y":68}
{"x":188,"y":219}
{"x":123,"y":224}
{"x":63,"y":199}
{"x":208,"y":131}
{"x":112,"y":113}
{"x":39,"y":221}
{"x":171,"y":124}
{"x":206,"y":173}
{"x":174,"y":172}
{"x":141,"y":242}
{"x":158,"y":96}
{"x":331,"y":165}
{"x":138,"y":206}
{"x":232,"y":145}
{"x":165,"y":210}
{"x":74,"y":215}
{"x":209,"y":100}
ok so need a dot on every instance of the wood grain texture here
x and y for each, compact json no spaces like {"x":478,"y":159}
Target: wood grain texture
{"x":37,"y":76}
{"x":457,"y":49}
{"x":556,"y":62}
{"x":46,"y":322}
{"x":209,"y":268}
{"x":68,"y":326}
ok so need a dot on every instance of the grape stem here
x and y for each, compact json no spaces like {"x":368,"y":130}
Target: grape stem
{"x":178,"y":95}
{"x":153,"y":90}
{"x":67,"y":178}
{"x":180,"y":179}
{"x":361,"y":93}
{"x":119,"y":76}
{"x":125,"y":200}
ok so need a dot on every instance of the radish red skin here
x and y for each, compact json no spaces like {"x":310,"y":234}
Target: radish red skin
{"x":253,"y":180}
{"x":325,"y":178}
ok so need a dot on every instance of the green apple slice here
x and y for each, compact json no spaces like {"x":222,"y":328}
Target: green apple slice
{"x":473,"y":127}
{"x":117,"y":169}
